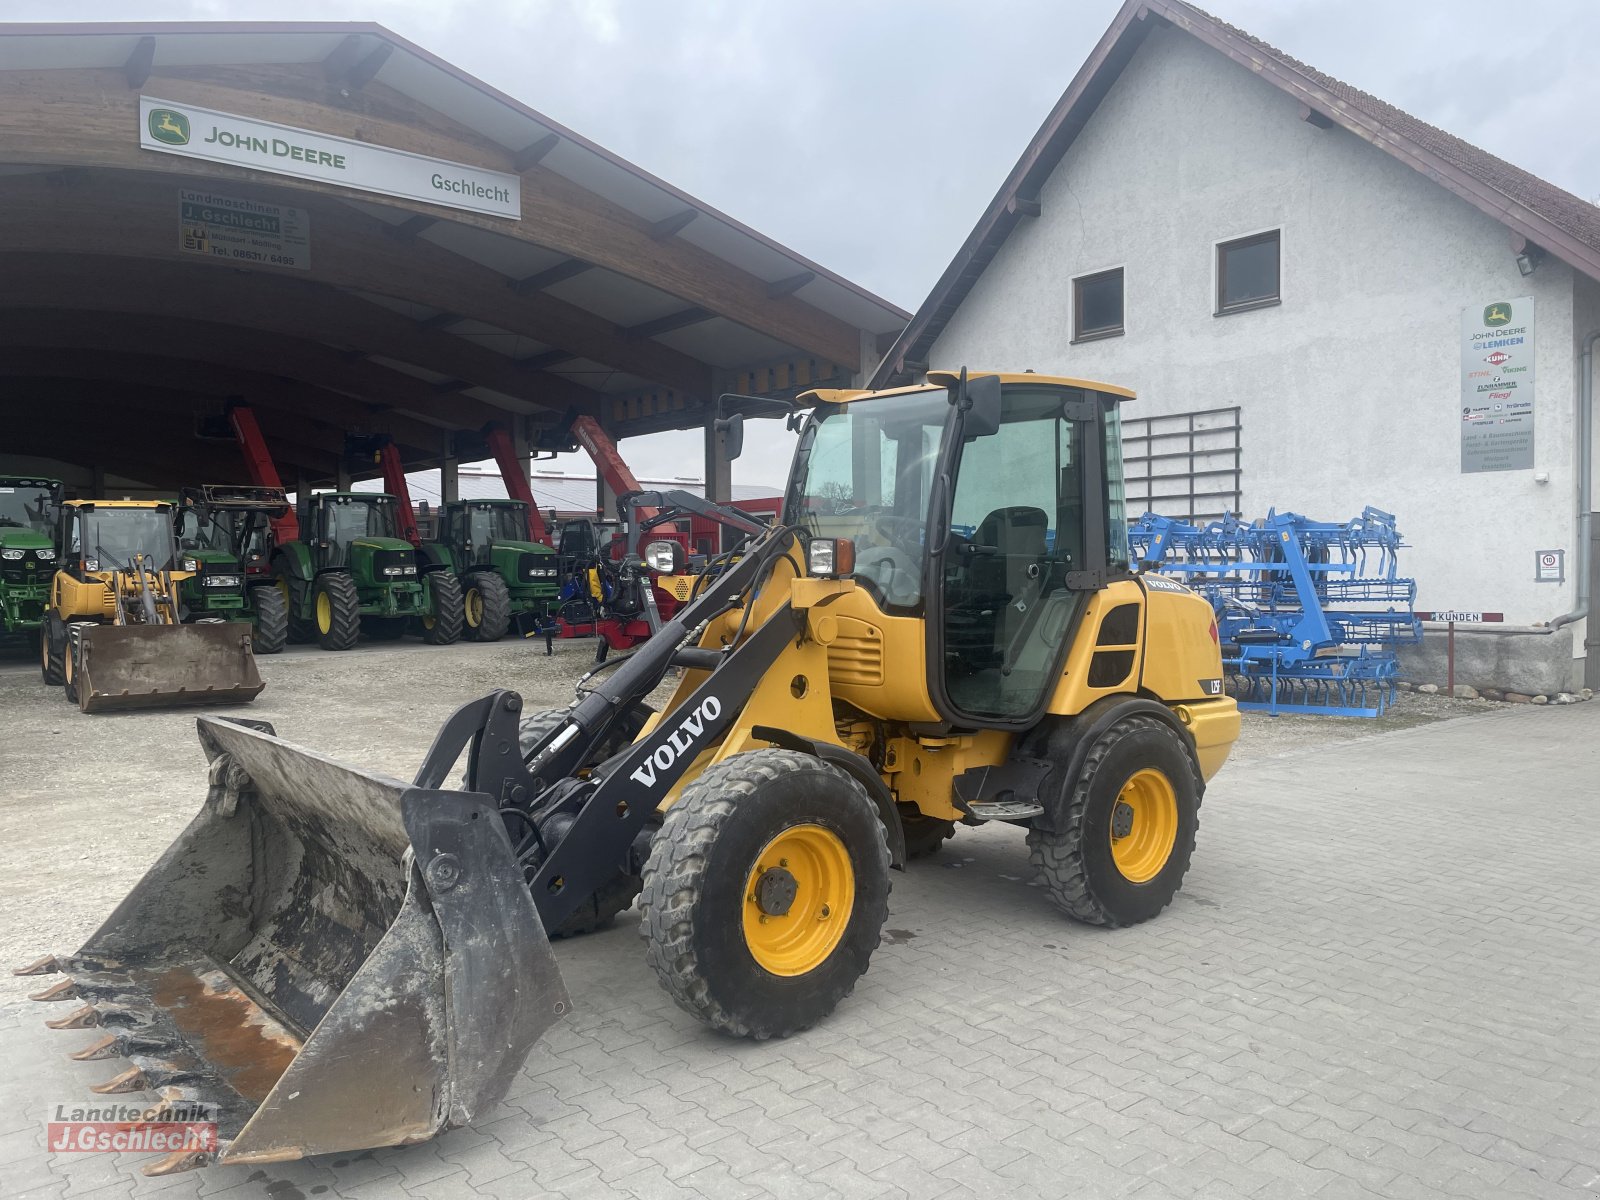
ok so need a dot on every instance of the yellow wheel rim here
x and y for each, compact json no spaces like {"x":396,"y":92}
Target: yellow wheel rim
{"x":798,"y":899}
{"x":324,"y":612}
{"x":1144,"y":826}
{"x":66,"y":664}
{"x":474,"y":607}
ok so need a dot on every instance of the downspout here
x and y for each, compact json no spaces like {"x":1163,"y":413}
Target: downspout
{"x":1585,"y":471}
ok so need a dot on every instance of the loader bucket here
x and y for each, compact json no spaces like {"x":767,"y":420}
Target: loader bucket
{"x":288,"y":961}
{"x":155,"y":666}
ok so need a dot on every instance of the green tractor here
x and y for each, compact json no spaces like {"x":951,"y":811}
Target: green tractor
{"x":28,"y":552}
{"x":351,"y":573}
{"x":505,"y":577}
{"x":217,"y":527}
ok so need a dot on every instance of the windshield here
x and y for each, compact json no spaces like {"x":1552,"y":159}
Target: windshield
{"x":346,"y":518}
{"x":866,"y":477}
{"x":107,"y":539}
{"x":197,"y":534}
{"x":497,"y":523}
{"x":29,"y":504}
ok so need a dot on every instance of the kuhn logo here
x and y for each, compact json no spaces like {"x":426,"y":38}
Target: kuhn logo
{"x":1498,"y":357}
{"x":681,"y":740}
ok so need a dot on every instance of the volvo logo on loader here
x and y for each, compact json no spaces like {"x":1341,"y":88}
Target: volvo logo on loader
{"x":169,"y":126}
{"x":682,"y":738}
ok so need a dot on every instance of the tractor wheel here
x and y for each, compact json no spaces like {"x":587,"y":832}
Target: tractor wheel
{"x":600,"y":909}
{"x":1113,"y":847}
{"x":924,"y":835}
{"x":52,"y":649}
{"x":385,"y":629}
{"x":486,"y":607}
{"x":442,"y":625}
{"x":272,"y":619}
{"x":766,"y":893}
{"x":336,"y":606}
{"x":302,"y":630}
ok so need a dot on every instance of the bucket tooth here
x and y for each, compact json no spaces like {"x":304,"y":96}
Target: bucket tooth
{"x":48,"y":965}
{"x":131,"y":1080}
{"x":82,"y":1018}
{"x":179,"y":1160}
{"x":109,"y":1046}
{"x":62,"y":989}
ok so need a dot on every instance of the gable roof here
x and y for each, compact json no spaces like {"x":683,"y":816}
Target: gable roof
{"x":1536,"y":212}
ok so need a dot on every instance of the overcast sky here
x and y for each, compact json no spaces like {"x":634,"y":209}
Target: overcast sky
{"x":868,"y":135}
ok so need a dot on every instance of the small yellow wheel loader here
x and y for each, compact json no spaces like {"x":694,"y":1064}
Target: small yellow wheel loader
{"x":942,"y":630}
{"x":113,"y":636}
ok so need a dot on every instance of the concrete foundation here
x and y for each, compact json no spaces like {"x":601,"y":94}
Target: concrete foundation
{"x":1533,"y":664}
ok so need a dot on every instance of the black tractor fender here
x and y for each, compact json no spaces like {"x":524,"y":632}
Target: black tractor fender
{"x":858,"y":769}
{"x":1071,"y":738}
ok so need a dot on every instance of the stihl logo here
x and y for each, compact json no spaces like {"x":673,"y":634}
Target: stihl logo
{"x":681,"y":740}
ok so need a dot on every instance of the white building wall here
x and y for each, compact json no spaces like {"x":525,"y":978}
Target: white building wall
{"x":1351,"y":387}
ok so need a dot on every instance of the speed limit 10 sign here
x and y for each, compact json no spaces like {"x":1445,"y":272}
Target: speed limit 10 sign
{"x":1549,"y":566}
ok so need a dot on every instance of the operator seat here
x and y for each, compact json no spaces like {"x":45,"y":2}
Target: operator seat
{"x":1004,"y":545}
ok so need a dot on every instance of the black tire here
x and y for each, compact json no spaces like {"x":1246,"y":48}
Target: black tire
{"x":302,"y":629}
{"x":488,"y":594}
{"x":385,"y":629}
{"x":445,"y":611}
{"x":272,"y":619}
{"x":52,"y":649}
{"x":1071,"y":846}
{"x":924,"y":835}
{"x":694,"y":898}
{"x":344,"y":611}
{"x":71,"y":659}
{"x":617,"y":896}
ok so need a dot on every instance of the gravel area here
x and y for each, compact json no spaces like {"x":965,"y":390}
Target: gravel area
{"x":87,"y":803}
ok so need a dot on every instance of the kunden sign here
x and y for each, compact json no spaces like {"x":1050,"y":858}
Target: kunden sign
{"x":171,"y":128}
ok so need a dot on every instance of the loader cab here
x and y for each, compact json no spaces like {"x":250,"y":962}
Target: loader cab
{"x":337,"y":520}
{"x":990,"y":508}
{"x":102,"y":536}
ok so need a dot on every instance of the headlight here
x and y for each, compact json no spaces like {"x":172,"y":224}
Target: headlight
{"x":392,"y":572}
{"x":91,"y":564}
{"x":223,"y":581}
{"x":10,"y":555}
{"x":191,"y":565}
{"x":663,"y":557}
{"x":830,"y":558}
{"x":45,"y":555}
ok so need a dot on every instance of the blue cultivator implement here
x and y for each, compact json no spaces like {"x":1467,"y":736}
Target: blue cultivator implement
{"x":1308,"y":612}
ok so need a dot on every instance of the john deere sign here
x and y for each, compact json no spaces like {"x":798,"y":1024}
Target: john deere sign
{"x":184,"y":129}
{"x":1497,"y":386}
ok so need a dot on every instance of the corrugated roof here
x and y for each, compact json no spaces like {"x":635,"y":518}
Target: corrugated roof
{"x":1551,"y":218}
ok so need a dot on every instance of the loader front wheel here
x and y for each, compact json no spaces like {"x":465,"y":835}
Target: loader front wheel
{"x":442,"y":625}
{"x":52,"y":649}
{"x":487,"y":607}
{"x":1115,"y":843}
{"x":272,"y":619}
{"x":336,"y":609}
{"x":766,"y":893}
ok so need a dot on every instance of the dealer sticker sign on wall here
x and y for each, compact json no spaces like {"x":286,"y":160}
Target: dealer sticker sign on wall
{"x":1497,"y":386}
{"x":171,"y":128}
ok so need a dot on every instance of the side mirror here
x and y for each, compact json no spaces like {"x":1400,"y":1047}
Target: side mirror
{"x":732,"y":430}
{"x":980,"y":398}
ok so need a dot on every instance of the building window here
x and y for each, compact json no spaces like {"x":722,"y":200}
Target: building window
{"x":1247,"y":273}
{"x":1097,"y":306}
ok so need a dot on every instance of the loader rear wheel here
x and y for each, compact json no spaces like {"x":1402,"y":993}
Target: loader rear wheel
{"x":442,"y":625}
{"x":52,"y":649}
{"x":766,"y":893}
{"x":336,"y":609}
{"x":486,"y":607}
{"x":1119,"y":841}
{"x":272,"y":619}
{"x":70,"y":661}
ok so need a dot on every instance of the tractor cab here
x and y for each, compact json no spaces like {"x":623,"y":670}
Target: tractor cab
{"x":475,"y":530}
{"x":344,"y":527}
{"x":990,"y":508}
{"x":29,"y":511}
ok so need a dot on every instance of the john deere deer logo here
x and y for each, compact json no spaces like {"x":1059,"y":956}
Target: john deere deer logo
{"x":169,"y":127}
{"x":1497,"y":314}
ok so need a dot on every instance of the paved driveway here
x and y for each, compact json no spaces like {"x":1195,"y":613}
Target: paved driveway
{"x":1382,"y":978}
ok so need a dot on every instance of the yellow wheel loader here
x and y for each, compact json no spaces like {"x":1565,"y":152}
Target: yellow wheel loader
{"x":942,"y":630}
{"x":113,"y":635}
